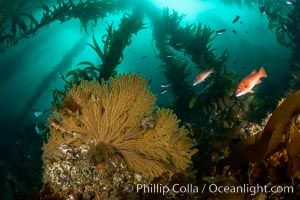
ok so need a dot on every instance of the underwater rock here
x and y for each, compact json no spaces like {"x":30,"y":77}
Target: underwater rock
{"x":103,"y":135}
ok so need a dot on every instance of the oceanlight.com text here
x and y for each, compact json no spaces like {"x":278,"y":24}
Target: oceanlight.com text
{"x":250,"y":189}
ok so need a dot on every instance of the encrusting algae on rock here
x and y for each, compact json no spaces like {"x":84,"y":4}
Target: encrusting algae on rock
{"x":112,"y":128}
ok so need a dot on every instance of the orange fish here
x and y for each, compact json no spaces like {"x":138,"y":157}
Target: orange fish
{"x":202,"y":76}
{"x":248,"y":83}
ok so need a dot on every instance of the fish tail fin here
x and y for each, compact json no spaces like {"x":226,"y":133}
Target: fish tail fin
{"x":262,"y":72}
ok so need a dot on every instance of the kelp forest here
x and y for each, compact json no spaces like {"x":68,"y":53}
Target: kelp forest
{"x":105,"y":132}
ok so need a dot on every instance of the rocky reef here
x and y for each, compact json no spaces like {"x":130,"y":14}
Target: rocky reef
{"x":104,"y":136}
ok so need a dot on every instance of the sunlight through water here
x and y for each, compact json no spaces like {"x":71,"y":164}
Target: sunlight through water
{"x":190,"y":7}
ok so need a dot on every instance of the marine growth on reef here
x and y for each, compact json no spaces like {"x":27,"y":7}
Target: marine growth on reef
{"x":100,"y":129}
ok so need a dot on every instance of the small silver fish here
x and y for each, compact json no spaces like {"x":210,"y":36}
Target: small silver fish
{"x":169,"y":56}
{"x":221,"y":31}
{"x":165,"y":85}
{"x":289,"y":2}
{"x":163,"y":91}
{"x":38,"y":113}
{"x":38,"y":130}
